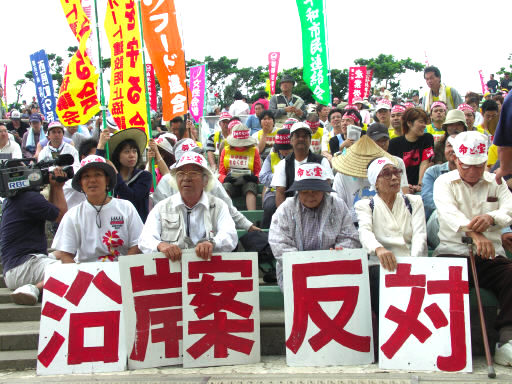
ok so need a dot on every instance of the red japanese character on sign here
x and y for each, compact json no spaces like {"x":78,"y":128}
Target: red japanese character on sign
{"x":84,"y":28}
{"x":65,"y":101}
{"x":71,"y":118}
{"x":130,"y":15}
{"x":117,"y":108}
{"x":137,"y":120}
{"x":307,"y":306}
{"x":156,"y":309}
{"x":73,"y":11}
{"x":120,"y":122}
{"x":408,"y":323}
{"x":82,"y":70}
{"x":73,"y":294}
{"x":212,"y":297}
{"x":132,"y":51}
{"x":456,"y":288}
{"x":135,"y":89}
{"x":65,"y":84}
{"x":118,"y":48}
{"x":118,"y":63}
{"x":88,"y":96}
{"x":118,"y":78}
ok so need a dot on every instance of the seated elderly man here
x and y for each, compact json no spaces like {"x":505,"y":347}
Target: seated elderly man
{"x":311,"y":220}
{"x":474,"y":205}
{"x":166,"y":187}
{"x":192,"y":218}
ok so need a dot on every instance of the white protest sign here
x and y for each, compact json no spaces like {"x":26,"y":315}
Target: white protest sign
{"x":327,"y":308}
{"x":221,"y":312}
{"x":82,"y":324}
{"x":424,"y":315}
{"x":151,"y":286}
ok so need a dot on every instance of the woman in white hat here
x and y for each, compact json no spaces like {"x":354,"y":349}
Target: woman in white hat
{"x":391,"y":224}
{"x":240,"y":165}
{"x":101,"y":228}
{"x":133,"y":184}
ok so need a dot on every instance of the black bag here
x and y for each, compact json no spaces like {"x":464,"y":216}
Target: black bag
{"x":257,"y":241}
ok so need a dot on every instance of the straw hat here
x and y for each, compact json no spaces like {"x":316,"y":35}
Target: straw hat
{"x":358,"y":156}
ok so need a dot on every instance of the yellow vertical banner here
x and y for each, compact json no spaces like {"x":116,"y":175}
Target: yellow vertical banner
{"x":78,"y":100}
{"x":127,"y":91}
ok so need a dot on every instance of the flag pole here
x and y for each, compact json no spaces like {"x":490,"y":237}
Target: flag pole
{"x":148,"y":109}
{"x":100,"y":65}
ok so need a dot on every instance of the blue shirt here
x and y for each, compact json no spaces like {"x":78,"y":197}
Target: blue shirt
{"x":23,"y":227}
{"x":253,"y":123}
{"x":427,"y":189}
{"x":503,"y":134}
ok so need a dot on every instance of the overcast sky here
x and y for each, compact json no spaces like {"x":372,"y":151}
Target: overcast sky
{"x":458,"y":37}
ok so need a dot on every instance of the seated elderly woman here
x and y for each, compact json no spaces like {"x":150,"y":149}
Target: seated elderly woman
{"x":191,"y":218}
{"x":311,"y":220}
{"x":101,"y":228}
{"x":391,"y":224}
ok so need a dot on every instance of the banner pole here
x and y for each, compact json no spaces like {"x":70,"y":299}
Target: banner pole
{"x":148,"y":109}
{"x":100,"y":65}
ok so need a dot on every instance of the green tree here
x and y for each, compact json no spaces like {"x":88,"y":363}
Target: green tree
{"x":505,"y":70}
{"x":19,"y":86}
{"x":386,"y":69}
{"x":56,"y":69}
{"x":339,"y":83}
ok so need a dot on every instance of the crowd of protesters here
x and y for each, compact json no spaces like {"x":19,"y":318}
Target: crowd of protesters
{"x":393,"y":176}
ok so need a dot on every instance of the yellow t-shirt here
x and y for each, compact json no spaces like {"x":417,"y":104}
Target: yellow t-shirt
{"x":492,"y":155}
{"x":434,"y":132}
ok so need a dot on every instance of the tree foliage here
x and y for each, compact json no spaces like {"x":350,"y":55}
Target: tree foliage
{"x":505,"y":70}
{"x":386,"y":69}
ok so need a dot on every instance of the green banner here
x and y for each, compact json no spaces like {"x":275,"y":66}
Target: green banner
{"x":316,"y":73}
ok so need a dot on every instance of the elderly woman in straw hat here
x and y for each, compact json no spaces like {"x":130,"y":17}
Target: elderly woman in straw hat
{"x":351,"y":182}
{"x":313,"y":219}
{"x":240,"y":165}
{"x":391,"y":224}
{"x":101,"y":228}
{"x":191,"y":218}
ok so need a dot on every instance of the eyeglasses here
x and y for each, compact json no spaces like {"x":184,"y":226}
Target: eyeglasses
{"x":189,"y":174}
{"x":389,"y":173}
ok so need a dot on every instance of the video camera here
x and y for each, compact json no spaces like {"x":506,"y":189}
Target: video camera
{"x":17,"y":175}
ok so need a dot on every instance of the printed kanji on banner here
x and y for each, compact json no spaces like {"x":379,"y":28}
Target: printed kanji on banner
{"x":221,"y":320}
{"x":150,"y":78}
{"x":151,"y":286}
{"x":78,"y":100}
{"x":44,"y":85}
{"x":163,"y":43}
{"x":127,"y":94}
{"x":273,"y":68}
{"x":358,"y":82}
{"x":81,"y":320}
{"x":327,"y":308}
{"x":424,"y":315}
{"x":315,"y":56}
{"x":197,"y":88}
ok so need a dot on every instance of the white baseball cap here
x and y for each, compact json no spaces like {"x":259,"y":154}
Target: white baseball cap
{"x":471,"y":147}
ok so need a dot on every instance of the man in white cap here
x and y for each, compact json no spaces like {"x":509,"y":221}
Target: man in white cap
{"x":313,"y":219}
{"x":213,"y":148}
{"x":383,"y":112}
{"x":473,"y":204}
{"x":57,"y":146}
{"x":284,"y":172}
{"x":192,"y":218}
{"x":166,"y":188}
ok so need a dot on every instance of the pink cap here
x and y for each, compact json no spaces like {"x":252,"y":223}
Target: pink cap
{"x":465,"y":107}
{"x":225,"y":116}
{"x":409,"y":105}
{"x":351,"y":116}
{"x":398,"y":109}
{"x":233,"y":124}
{"x":438,"y":104}
{"x":356,"y":100}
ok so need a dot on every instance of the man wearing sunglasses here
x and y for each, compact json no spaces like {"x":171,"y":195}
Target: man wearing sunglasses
{"x":471,"y":203}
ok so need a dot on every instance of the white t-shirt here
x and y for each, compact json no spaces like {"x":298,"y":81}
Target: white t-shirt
{"x":46,"y":154}
{"x":13,"y":148}
{"x":78,"y":233}
{"x":279,"y":179}
{"x":72,"y":196}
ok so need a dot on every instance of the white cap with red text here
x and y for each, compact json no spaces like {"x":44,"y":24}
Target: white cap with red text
{"x":471,"y":147}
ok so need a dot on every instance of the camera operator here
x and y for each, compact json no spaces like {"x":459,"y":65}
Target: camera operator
{"x":57,"y":146}
{"x":23,"y":238}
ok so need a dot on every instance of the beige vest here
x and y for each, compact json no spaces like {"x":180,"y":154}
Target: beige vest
{"x":173,"y":228}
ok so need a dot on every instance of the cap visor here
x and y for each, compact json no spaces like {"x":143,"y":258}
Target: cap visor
{"x":310,"y":185}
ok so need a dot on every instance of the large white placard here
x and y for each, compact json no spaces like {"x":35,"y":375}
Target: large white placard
{"x":327,"y":308}
{"x":82,"y":324}
{"x":424,"y":315}
{"x":151,"y":286}
{"x":221,"y":315}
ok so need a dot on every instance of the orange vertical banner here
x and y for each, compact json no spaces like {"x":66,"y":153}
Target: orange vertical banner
{"x":127,"y":90}
{"x":163,"y":43}
{"x":78,"y":100}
